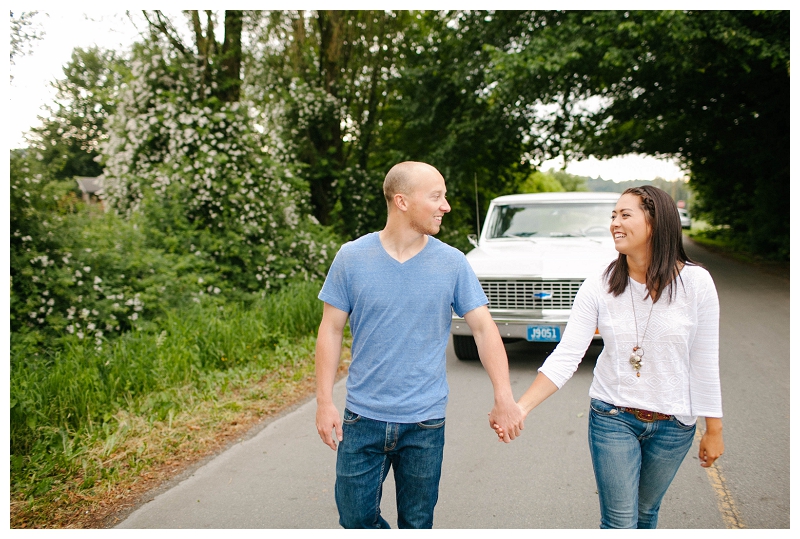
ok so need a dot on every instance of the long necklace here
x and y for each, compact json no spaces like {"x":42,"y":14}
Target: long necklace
{"x":638,"y":351}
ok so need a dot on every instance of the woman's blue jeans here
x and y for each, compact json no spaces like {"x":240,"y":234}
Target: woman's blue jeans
{"x":634,"y":463}
{"x":367,"y":450}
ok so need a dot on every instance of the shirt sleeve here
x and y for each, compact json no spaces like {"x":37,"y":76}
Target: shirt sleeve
{"x":581,"y":326}
{"x":334,"y":289}
{"x":468,"y":294}
{"x":704,"y":383}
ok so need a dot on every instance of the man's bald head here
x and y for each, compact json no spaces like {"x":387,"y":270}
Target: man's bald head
{"x":402,"y":177}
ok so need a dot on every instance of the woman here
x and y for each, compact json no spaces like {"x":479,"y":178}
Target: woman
{"x":658,"y":314}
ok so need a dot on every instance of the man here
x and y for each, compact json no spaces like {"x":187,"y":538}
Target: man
{"x":398,"y":287}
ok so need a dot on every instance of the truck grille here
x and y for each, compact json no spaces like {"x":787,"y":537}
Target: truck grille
{"x":530,"y":295}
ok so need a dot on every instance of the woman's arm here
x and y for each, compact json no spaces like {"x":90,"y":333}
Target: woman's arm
{"x":562,"y":363}
{"x":578,"y":334}
{"x":705,"y":394}
{"x":541,"y":388}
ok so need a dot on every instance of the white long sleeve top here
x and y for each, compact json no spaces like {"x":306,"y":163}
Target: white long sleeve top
{"x":680,"y":366}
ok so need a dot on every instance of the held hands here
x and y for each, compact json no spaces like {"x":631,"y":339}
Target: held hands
{"x":328,"y":420}
{"x":502,"y":434}
{"x":541,"y":388}
{"x":507,"y":419}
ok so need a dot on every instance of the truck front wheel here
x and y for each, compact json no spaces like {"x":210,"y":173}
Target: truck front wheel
{"x":465,"y":347}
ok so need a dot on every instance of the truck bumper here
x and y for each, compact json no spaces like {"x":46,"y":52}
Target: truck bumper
{"x":515,"y":328}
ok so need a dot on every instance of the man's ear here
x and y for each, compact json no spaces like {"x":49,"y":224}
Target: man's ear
{"x":400,"y":202}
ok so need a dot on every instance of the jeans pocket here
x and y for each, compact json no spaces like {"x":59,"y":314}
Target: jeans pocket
{"x":350,"y":417}
{"x":431,"y":423}
{"x":603,"y":408}
{"x":683,"y":426}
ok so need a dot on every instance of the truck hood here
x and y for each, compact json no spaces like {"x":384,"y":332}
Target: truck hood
{"x":545,"y":258}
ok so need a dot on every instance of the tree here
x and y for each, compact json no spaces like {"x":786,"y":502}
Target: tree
{"x":199,"y":169}
{"x":353,"y":93}
{"x":68,"y":139}
{"x":447,"y":115}
{"x":710,"y":88}
{"x":23,"y":32}
{"x":326,"y":79}
{"x":219,"y":64}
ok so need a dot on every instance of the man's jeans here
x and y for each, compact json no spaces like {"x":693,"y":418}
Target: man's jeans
{"x":634,"y":463}
{"x":366,"y":452}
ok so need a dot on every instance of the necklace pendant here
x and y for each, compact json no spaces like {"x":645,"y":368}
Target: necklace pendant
{"x":638,"y":353}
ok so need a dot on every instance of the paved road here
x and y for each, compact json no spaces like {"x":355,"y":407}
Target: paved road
{"x":282,"y":477}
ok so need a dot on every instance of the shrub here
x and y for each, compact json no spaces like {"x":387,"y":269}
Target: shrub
{"x":78,"y":271}
{"x":65,"y":399}
{"x":180,"y":153}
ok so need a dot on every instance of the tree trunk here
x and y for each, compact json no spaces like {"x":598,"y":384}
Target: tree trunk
{"x":208,"y":53}
{"x":327,"y":137}
{"x":230,"y":83}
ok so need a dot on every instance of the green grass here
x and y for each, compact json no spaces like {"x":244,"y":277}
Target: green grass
{"x":80,"y":417}
{"x":720,"y":240}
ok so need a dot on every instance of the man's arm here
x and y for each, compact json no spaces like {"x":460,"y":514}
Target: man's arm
{"x":506,"y":414}
{"x":328,"y":353}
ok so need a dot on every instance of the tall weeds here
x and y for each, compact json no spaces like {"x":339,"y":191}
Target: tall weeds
{"x":69,"y":398}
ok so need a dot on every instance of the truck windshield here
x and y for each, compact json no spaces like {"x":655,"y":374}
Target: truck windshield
{"x":551,"y":220}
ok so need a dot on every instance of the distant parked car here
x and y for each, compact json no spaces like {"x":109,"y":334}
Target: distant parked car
{"x":686,"y":219}
{"x":534,"y":252}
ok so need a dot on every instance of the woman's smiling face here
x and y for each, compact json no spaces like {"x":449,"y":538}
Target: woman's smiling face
{"x":630,"y":227}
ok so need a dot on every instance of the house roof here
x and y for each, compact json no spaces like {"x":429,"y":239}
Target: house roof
{"x":91,"y":185}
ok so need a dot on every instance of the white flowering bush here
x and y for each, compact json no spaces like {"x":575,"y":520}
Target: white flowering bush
{"x":173,"y":145}
{"x":77,"y":272}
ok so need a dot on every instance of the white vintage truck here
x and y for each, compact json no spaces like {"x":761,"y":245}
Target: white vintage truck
{"x":533,"y":253}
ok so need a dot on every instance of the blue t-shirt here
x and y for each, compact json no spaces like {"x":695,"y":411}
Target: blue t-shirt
{"x":400,"y":318}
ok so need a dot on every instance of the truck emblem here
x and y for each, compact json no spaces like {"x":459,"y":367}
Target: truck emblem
{"x":543,"y":295}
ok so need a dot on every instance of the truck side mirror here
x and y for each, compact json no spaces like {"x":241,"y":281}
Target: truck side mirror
{"x":473,"y":239}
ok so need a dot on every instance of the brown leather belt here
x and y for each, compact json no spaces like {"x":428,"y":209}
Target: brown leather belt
{"x":646,"y":415}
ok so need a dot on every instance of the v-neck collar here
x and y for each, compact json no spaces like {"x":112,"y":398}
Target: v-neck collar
{"x":393,"y":259}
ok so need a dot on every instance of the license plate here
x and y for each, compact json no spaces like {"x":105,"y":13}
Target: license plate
{"x":544,"y":333}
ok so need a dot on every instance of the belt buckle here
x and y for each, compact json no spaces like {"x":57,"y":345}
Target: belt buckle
{"x":645,"y":416}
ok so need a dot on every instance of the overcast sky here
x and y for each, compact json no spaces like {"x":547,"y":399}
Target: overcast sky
{"x":30,"y":88}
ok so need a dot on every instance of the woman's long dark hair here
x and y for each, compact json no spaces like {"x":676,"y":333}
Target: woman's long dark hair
{"x":666,"y":246}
